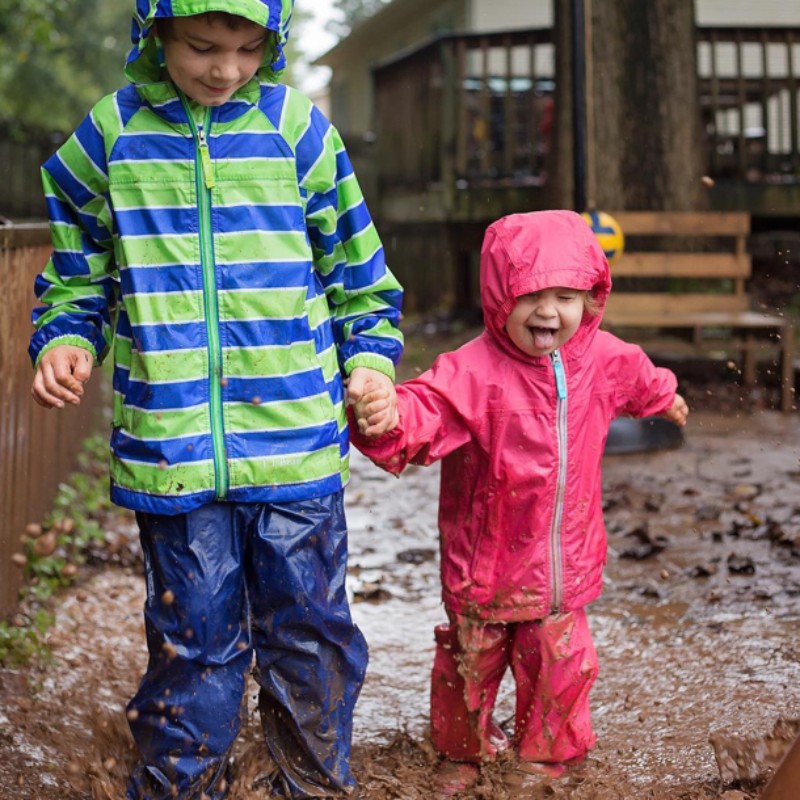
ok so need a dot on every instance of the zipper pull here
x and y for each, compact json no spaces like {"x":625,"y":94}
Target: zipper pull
{"x":561,"y":378}
{"x":205,"y":158}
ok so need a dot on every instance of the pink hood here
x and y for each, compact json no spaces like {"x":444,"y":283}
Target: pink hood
{"x":520,"y":513}
{"x":525,"y":253}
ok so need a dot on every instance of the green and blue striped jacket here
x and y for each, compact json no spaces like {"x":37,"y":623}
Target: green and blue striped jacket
{"x":229,"y":256}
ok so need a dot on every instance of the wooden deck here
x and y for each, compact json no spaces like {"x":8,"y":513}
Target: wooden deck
{"x":463,"y":123}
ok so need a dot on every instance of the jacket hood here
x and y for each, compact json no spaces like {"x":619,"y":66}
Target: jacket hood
{"x":144,"y":64}
{"x":524,"y":253}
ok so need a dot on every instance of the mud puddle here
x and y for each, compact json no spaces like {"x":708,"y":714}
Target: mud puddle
{"x":696,"y":633}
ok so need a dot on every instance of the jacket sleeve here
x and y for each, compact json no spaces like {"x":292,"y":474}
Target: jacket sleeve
{"x":79,"y":286}
{"x":364,"y":297}
{"x":431,"y":423}
{"x":648,"y":389}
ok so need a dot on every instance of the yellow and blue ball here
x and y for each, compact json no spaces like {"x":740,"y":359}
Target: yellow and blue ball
{"x":608,"y":233}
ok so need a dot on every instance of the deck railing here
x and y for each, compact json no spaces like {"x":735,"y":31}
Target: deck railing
{"x":479,"y":107}
{"x":750,"y":80}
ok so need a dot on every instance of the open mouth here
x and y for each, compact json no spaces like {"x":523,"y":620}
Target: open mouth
{"x":543,"y":338}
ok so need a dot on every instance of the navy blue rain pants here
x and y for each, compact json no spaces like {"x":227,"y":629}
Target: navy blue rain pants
{"x":223,"y":581}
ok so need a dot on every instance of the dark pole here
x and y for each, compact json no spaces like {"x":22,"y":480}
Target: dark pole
{"x":579,"y":104}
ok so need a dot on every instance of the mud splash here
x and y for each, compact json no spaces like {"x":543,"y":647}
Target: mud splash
{"x":696,"y":634}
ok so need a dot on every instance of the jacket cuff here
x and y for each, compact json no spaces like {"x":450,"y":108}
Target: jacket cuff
{"x":72,"y":339}
{"x":372,"y":361}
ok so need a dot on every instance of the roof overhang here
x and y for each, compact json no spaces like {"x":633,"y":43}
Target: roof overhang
{"x":393,"y":15}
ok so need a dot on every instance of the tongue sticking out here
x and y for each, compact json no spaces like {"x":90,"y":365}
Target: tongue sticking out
{"x":543,"y":338}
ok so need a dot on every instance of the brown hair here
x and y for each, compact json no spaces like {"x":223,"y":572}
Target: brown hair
{"x":231,"y":21}
{"x":590,"y":304}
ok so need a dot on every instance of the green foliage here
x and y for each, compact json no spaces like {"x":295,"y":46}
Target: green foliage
{"x":55,"y":550}
{"x":353,"y":12}
{"x":23,"y":644}
{"x":58,"y":57}
{"x":29,"y":22}
{"x":85,"y":497}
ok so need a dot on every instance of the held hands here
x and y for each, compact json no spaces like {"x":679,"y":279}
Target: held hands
{"x":60,"y":376}
{"x":375,"y":402}
{"x":677,"y":412}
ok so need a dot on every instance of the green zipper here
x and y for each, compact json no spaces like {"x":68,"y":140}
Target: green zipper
{"x":204,"y":178}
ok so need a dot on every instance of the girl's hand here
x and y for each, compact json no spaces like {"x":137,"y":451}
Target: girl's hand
{"x":60,"y":376}
{"x":677,"y":412}
{"x":375,"y":401}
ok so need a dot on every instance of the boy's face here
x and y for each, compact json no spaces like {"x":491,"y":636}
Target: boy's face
{"x":207,"y":60}
{"x":542,"y":322}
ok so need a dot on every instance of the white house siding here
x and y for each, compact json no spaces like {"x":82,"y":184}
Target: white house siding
{"x":492,"y":15}
{"x":499,"y":15}
{"x":747,"y":12}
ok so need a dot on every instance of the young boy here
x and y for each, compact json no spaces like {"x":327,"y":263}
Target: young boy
{"x":207,"y":219}
{"x":519,"y":417}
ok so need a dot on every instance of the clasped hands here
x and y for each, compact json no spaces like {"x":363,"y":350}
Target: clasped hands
{"x":374,"y":400}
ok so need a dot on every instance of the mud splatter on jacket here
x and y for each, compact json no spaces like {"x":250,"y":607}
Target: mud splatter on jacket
{"x":229,"y":255}
{"x":521,"y":437}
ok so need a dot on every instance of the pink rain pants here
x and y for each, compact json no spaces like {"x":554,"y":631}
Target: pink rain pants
{"x":554,"y":664}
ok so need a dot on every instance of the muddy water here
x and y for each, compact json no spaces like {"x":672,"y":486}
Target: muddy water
{"x":697,"y":633}
{"x":700,"y":639}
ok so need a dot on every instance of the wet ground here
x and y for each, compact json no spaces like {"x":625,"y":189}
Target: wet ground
{"x":697,"y":633}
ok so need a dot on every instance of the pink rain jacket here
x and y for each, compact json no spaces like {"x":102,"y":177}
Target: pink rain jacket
{"x":521,"y":438}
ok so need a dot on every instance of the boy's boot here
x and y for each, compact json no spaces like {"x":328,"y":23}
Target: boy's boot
{"x":186,"y":713}
{"x":311,"y":657}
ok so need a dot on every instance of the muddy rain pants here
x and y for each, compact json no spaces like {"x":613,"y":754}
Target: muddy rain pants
{"x":554,"y":665}
{"x":224,"y":581}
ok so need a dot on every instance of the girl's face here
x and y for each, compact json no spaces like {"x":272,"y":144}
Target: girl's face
{"x":208,"y":61}
{"x":543,"y":321}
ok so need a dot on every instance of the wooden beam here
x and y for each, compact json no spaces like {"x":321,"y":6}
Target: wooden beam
{"x":682,"y":223}
{"x":657,"y":309}
{"x":682,"y":265}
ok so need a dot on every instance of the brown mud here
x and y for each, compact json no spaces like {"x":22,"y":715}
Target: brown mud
{"x":696,"y":631}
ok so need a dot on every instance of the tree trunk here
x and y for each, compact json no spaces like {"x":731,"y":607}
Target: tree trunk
{"x":560,"y":185}
{"x":647,"y":148}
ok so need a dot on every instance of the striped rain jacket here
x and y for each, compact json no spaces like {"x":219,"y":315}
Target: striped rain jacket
{"x":229,"y":256}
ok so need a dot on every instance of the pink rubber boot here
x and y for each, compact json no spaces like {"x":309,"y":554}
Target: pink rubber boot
{"x":555,"y":664}
{"x":468,"y":667}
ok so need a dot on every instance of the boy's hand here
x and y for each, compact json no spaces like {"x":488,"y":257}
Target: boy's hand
{"x":375,"y":400}
{"x":60,"y":376}
{"x":677,"y":412}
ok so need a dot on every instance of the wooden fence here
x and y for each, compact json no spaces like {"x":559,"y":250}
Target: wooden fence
{"x":37,"y":447}
{"x":21,"y":197}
